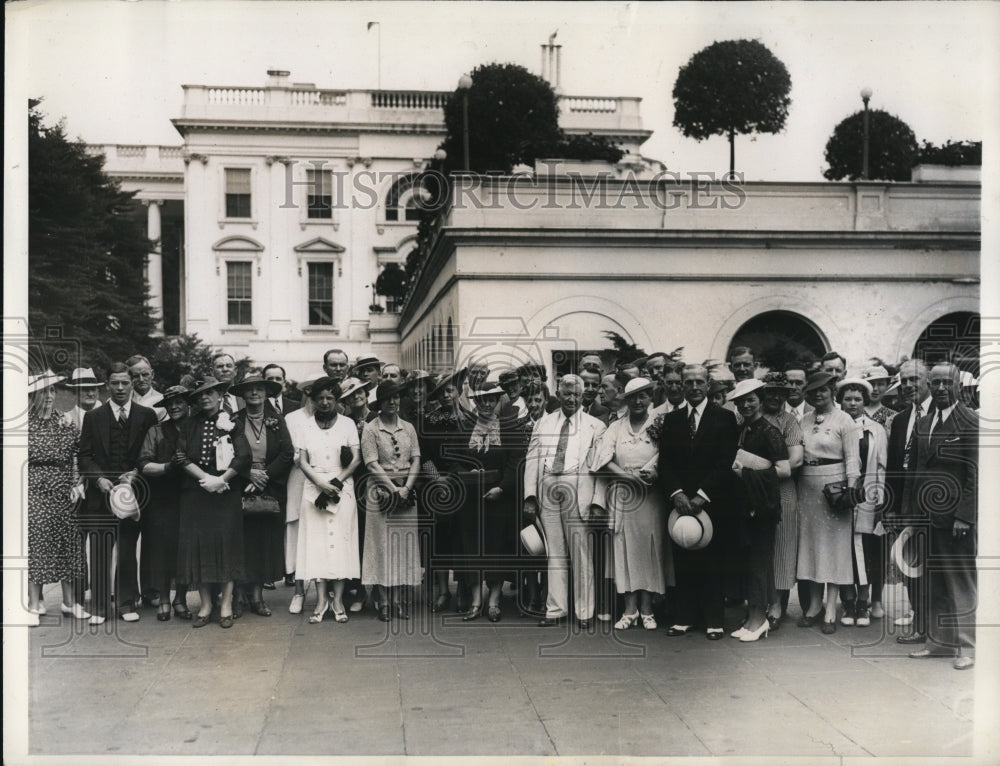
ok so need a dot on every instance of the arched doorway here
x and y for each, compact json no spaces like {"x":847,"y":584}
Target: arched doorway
{"x":779,"y":337}
{"x":952,"y":338}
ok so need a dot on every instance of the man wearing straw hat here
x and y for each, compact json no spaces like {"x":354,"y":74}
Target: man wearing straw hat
{"x":87,"y":387}
{"x":110,"y":442}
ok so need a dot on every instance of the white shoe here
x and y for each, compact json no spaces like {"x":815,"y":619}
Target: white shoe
{"x":627,"y":621}
{"x":96,"y":619}
{"x":604,"y":617}
{"x":755,"y":635}
{"x":296,"y":606}
{"x":648,"y":621}
{"x":76,"y":610}
{"x":32,"y":620}
{"x":130,"y":616}
{"x":877,"y":611}
{"x":739,"y":632}
{"x":906,"y":619}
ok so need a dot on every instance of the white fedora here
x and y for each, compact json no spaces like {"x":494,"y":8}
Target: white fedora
{"x":532,"y":540}
{"x":123,"y":502}
{"x":906,"y":554}
{"x":43,"y":380}
{"x":690,"y":532}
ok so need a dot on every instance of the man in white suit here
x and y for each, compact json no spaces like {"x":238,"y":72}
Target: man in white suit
{"x":560,"y":488}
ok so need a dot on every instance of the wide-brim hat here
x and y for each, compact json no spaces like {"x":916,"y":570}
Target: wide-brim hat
{"x":43,"y":380}
{"x":386,"y":390}
{"x":123,"y":502}
{"x":859,"y":382}
{"x":208,"y":383}
{"x":635,"y":385}
{"x":532,"y":541}
{"x":818,"y":380}
{"x":367,"y":361}
{"x":452,"y":379}
{"x":272,"y":387}
{"x":349,"y":386}
{"x":876,"y":373}
{"x":489,"y":387}
{"x":174,"y":392}
{"x":690,"y":532}
{"x":745,"y":387}
{"x":894,"y":384}
{"x":82,"y":377}
{"x":418,"y":376}
{"x":906,"y":554}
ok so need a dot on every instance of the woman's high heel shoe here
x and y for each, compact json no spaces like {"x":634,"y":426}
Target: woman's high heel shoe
{"x":754,"y":635}
{"x":473,"y":614}
{"x":317,"y":617}
{"x":627,"y":621}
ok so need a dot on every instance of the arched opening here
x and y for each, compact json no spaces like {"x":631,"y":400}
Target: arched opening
{"x":952,"y":338}
{"x":403,"y":201}
{"x":779,"y":337}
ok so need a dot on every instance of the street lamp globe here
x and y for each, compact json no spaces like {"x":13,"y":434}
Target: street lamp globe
{"x":440,"y":155}
{"x":464,"y":82}
{"x":866,"y":94}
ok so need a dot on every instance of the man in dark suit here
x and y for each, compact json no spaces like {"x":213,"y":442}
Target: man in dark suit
{"x":110,"y":441}
{"x":901,"y":509}
{"x":945,"y":487}
{"x":281,"y":403}
{"x":697,"y":449}
{"x":591,"y":387}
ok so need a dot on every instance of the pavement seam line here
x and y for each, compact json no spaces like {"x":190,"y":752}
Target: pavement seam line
{"x":272,"y":697}
{"x":527,"y":694}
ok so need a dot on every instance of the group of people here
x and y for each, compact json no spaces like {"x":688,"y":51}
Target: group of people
{"x":658,"y":490}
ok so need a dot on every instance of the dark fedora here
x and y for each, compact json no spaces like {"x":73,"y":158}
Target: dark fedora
{"x":208,"y":383}
{"x":818,"y":379}
{"x":272,"y":387}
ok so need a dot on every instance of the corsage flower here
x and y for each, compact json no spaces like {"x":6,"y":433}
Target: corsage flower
{"x":224,"y":422}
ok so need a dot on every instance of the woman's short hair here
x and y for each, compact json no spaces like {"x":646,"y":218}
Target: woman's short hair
{"x":865,"y":396}
{"x":324,"y":384}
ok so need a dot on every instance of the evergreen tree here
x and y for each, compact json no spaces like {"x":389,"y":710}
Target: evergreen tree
{"x":892,"y":148}
{"x":86,"y":250}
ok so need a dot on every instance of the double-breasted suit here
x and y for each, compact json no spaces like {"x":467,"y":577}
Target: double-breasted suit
{"x":945,"y":490}
{"x":108,"y":450}
{"x":566,"y":495}
{"x":702,"y":466}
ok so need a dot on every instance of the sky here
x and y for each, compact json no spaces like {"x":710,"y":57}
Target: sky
{"x":114,"y":69}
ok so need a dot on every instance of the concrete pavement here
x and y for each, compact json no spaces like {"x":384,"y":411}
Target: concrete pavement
{"x":439,"y":686}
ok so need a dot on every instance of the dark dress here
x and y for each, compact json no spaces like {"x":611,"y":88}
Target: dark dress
{"x":55,"y":548}
{"x":264,"y":534}
{"x":160,"y":522}
{"x":210,"y":541}
{"x":441,"y":431}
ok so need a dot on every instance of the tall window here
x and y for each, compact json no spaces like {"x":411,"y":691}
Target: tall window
{"x":321,"y":294}
{"x":239,"y":292}
{"x":320,"y":193}
{"x":237,"y":192}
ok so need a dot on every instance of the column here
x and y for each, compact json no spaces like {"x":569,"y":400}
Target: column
{"x":154,"y":263}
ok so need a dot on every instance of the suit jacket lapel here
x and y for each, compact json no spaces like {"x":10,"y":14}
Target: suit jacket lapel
{"x":104,"y":427}
{"x":134,"y":427}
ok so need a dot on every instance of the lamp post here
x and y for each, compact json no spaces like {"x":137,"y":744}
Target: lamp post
{"x":464,"y":83}
{"x":866,"y":96}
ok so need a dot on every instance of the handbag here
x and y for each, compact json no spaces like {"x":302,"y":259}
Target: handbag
{"x":346,"y":455}
{"x":260,"y":504}
{"x":839,"y":496}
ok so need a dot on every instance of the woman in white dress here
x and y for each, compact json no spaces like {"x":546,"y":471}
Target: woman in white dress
{"x":627,"y":454}
{"x":327,"y":547}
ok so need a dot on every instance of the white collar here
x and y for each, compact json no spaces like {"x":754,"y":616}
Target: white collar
{"x":126,"y":408}
{"x":699,"y":408}
{"x":945,"y":413}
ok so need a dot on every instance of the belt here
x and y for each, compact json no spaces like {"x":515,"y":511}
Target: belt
{"x":822,"y":461}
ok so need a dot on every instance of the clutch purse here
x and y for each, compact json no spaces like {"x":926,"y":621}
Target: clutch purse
{"x":838,"y":496}
{"x":260,"y":504}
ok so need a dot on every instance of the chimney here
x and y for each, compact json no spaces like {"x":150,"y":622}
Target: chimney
{"x":277,"y":78}
{"x":552,"y":63}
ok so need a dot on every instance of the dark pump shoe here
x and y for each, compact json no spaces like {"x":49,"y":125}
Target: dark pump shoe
{"x":912,"y":638}
{"x":549,"y":622}
{"x":678,"y":630}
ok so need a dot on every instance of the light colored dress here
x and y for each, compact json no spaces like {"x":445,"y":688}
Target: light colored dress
{"x":825,"y":537}
{"x":786,"y":534}
{"x":296,"y":421}
{"x":636,"y":514}
{"x":327,"y":541}
{"x":392,"y":545}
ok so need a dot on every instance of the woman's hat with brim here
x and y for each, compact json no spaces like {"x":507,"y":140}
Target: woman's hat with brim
{"x":636,"y":385}
{"x":894,"y":384}
{"x":417,"y":377}
{"x":719,"y":387}
{"x":859,"y":382}
{"x":453,"y":379}
{"x":306,"y":384}
{"x":271,"y":387}
{"x":876,"y":373}
{"x":174,"y":392}
{"x":776,"y":381}
{"x":82,"y":377}
{"x":488,"y":387}
{"x":743,"y":388}
{"x":690,"y":532}
{"x":208,"y":383}
{"x":818,"y":380}
{"x":123,"y":502}
{"x":350,"y":386}
{"x":43,"y":380}
{"x":906,"y":554}
{"x":386,"y":390}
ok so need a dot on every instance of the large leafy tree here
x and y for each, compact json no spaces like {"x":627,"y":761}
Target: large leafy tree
{"x":513,"y":119}
{"x":731,"y":87}
{"x":892,"y":148}
{"x":86,"y":250}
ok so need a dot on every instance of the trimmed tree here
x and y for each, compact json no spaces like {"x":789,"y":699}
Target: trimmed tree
{"x":86,"y":250}
{"x":731,"y":87}
{"x":892,"y":148}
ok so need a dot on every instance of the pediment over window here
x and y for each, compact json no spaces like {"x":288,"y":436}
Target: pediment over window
{"x":238,"y":244}
{"x":319,"y":246}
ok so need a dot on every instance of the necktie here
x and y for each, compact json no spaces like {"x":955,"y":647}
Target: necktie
{"x":935,"y":424}
{"x":693,"y":422}
{"x":908,"y":449}
{"x":122,"y":420}
{"x":798,"y":415}
{"x":612,"y":417}
{"x":560,"y":460}
{"x":226,"y":404}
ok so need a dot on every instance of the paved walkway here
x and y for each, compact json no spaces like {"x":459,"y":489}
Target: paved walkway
{"x":279,"y":685}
